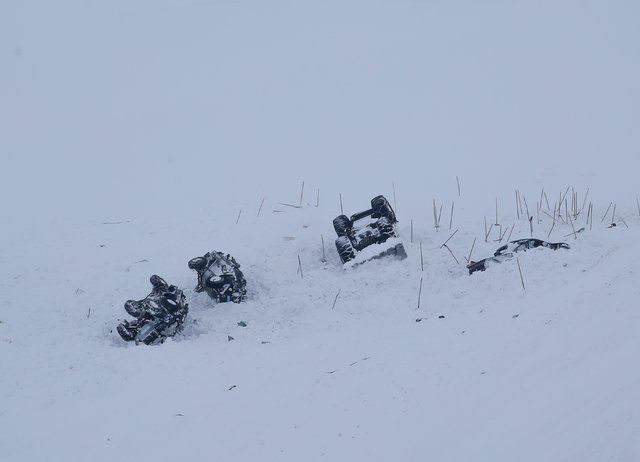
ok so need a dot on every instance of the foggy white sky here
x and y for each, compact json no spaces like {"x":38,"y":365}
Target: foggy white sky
{"x":109,"y":107}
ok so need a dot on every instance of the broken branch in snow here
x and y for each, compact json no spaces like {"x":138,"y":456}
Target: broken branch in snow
{"x":419,"y":294}
{"x":335,"y":299}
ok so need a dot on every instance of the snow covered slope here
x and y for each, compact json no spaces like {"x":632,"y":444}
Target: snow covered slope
{"x":134,"y":135}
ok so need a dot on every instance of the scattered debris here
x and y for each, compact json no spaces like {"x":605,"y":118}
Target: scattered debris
{"x":232,"y":387}
{"x":242,"y":324}
{"x":506,"y":252}
{"x":229,"y":338}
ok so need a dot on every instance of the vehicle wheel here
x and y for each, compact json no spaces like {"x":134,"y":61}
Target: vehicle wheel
{"x":381,"y":208}
{"x":134,"y":308}
{"x":345,"y":249}
{"x":386,"y":229}
{"x":342,"y":225}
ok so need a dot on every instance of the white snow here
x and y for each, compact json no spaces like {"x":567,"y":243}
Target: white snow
{"x":132,"y":134}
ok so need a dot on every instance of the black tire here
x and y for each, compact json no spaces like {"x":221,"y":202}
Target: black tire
{"x":134,"y":307}
{"x":342,"y":225}
{"x":381,"y":208}
{"x":345,"y":249}
{"x":386,"y":229}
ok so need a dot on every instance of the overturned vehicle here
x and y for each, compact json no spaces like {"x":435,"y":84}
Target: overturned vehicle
{"x":159,"y":315}
{"x":506,"y":252}
{"x":373,"y":229}
{"x":220,"y":277}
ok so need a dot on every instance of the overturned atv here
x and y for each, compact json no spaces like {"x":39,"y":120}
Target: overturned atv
{"x":220,"y":277}
{"x":506,"y":252}
{"x":371,"y":228}
{"x":159,"y":315}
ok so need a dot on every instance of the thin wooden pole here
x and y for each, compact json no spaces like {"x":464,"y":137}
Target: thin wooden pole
{"x":521,"y":278}
{"x":260,"y":209}
{"x":335,"y":299}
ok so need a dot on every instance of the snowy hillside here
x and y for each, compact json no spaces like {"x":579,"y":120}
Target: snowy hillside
{"x":137,"y":135}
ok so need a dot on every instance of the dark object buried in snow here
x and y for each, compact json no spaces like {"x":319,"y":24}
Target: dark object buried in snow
{"x":506,"y":252}
{"x":220,"y":277}
{"x":159,"y":315}
{"x":373,"y":226}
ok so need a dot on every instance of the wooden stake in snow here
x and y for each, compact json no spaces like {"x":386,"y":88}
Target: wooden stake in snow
{"x":301,"y":193}
{"x":547,"y":201}
{"x":411,"y":238}
{"x":508,"y":238}
{"x":238,"y":219}
{"x":421,"y":259}
{"x":341,"y":211}
{"x":318,"y":198}
{"x":552,"y":226}
{"x":324,"y":259}
{"x":458,"y":181}
{"x":395,"y":203}
{"x":471,"y":251}
{"x":520,"y":271}
{"x":260,"y":209}
{"x":638,"y":204}
{"x":497,"y":223}
{"x":606,"y":213}
{"x":445,"y":242}
{"x":613,"y":214}
{"x":575,"y":235}
{"x":454,"y":257}
{"x":419,"y":294}
{"x":300,"y":267}
{"x":487,"y":232}
{"x":451,"y":216}
{"x":526,"y":206}
{"x":336,"y":299}
{"x":517,"y":205}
